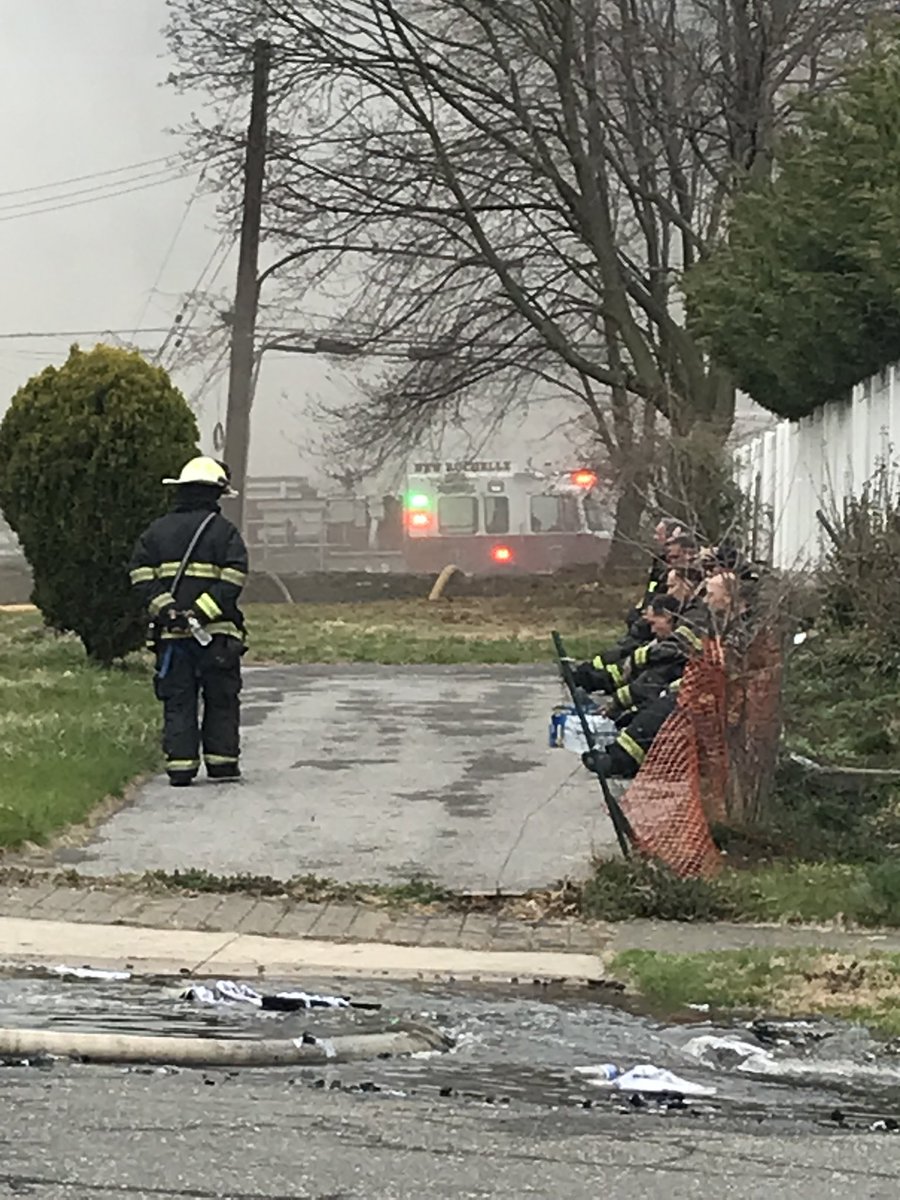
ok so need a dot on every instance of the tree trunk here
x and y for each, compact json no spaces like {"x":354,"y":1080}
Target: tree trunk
{"x":696,"y":482}
{"x":627,"y":550}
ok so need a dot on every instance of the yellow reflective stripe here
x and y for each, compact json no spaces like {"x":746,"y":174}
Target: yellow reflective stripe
{"x":142,"y":575}
{"x":208,"y":606}
{"x":182,"y":764}
{"x":615,"y":674}
{"x":623,"y":696}
{"x":689,"y":636}
{"x":598,"y":663}
{"x":627,"y":743}
{"x":640,"y":656}
{"x":673,"y":687}
{"x":168,"y":570}
{"x":653,"y":586}
{"x":219,"y":760}
{"x":158,"y":603}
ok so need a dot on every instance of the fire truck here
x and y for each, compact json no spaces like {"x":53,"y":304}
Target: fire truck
{"x":489,"y":517}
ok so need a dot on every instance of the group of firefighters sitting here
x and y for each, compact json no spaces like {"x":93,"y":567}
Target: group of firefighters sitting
{"x":694,"y":593}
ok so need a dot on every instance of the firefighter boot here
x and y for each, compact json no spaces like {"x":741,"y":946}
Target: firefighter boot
{"x":222,"y":772}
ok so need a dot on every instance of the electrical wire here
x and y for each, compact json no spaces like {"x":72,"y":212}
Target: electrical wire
{"x":143,"y":187}
{"x":184,"y":319}
{"x":192,"y":199}
{"x":60,"y":183}
{"x":44,"y":334}
{"x":167,"y":257}
{"x":214,"y":374}
{"x":96,"y":189}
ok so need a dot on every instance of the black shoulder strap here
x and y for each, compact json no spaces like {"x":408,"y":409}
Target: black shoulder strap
{"x":192,"y":546}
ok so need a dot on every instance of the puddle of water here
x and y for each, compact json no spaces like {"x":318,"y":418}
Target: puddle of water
{"x":512,"y":1045}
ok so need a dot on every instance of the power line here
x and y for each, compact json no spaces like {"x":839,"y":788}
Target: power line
{"x":192,"y":199}
{"x":65,"y":333}
{"x":87,"y":191}
{"x":46,"y":187}
{"x":183,"y":321}
{"x":167,"y":257}
{"x":143,"y":187}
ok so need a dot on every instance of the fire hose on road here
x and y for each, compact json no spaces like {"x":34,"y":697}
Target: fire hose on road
{"x":305,"y":1051}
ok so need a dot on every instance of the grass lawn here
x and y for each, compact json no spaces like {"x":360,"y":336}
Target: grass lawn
{"x":789,"y":891}
{"x":862,"y":988}
{"x":489,"y":630}
{"x":70,"y":733}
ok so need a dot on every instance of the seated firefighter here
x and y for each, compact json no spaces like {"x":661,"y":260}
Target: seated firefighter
{"x":648,"y":693}
{"x":679,"y":551}
{"x":732,"y":598}
{"x":684,"y":584}
{"x":687,"y":584}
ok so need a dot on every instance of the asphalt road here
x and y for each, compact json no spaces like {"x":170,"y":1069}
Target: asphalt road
{"x":379,"y":774}
{"x":102,"y":1134}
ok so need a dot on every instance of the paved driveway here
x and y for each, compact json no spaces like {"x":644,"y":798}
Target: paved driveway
{"x":379,"y":774}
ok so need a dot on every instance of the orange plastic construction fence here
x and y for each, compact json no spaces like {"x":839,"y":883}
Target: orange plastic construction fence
{"x":727,"y":704}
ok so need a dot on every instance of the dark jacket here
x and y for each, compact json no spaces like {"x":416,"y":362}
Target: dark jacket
{"x":638,"y":629}
{"x":654,"y":667}
{"x":212,"y":583}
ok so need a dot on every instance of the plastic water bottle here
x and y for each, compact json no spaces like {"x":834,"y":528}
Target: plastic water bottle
{"x":602,"y":1073}
{"x":607,"y":1071}
{"x":199,"y":634}
{"x":557,"y":728}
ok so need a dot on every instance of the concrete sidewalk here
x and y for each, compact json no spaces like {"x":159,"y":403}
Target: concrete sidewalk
{"x":236,"y":934}
{"x":234,"y":955}
{"x":237,"y":914}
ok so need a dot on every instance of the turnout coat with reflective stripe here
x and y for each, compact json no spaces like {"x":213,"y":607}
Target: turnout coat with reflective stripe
{"x":211,"y":585}
{"x":660,"y":664}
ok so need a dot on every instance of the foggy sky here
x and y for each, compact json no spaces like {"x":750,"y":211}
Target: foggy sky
{"x":82,"y":89}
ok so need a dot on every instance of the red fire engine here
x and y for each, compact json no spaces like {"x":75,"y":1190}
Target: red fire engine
{"x":487,"y":516}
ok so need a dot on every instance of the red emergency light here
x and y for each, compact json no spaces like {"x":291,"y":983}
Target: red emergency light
{"x":501,"y":554}
{"x":584,"y":478}
{"x":419,"y":520}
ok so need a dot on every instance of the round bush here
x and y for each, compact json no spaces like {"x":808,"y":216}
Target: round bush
{"x":83,"y":450}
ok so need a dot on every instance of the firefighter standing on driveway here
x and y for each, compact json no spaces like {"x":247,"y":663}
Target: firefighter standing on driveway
{"x":191,"y":591}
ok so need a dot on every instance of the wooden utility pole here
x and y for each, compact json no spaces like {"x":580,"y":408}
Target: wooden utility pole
{"x":246,"y":299}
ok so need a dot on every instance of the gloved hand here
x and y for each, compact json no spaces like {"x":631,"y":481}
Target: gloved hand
{"x":173,"y":621}
{"x":588,"y":677}
{"x":597,"y":762}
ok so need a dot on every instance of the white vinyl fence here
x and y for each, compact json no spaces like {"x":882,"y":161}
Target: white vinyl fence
{"x":800,"y":467}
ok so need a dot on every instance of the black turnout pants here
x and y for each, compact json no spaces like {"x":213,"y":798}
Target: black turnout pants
{"x":630,"y":748}
{"x":185,"y":671}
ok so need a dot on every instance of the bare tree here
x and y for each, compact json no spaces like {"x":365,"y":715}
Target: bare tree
{"x":511,"y":189}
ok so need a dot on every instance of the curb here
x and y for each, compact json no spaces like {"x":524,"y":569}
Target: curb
{"x":145,"y":951}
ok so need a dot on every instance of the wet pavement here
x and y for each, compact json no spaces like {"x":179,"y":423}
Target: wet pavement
{"x":378,"y":774}
{"x":504,"y":1115}
{"x":518,"y":1047}
{"x":89,"y":1134}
